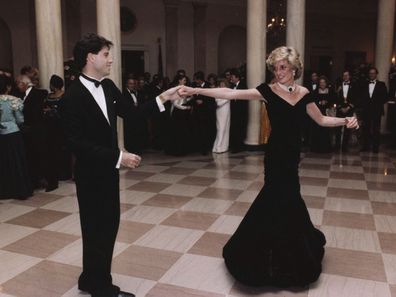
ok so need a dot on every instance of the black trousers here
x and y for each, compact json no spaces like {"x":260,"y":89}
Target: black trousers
{"x":371,"y":132}
{"x":99,"y":203}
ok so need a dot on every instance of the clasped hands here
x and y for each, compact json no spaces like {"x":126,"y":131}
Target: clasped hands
{"x":351,"y":122}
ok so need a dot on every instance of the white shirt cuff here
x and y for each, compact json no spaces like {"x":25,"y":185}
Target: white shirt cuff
{"x":118,"y":165}
{"x":159,"y":103}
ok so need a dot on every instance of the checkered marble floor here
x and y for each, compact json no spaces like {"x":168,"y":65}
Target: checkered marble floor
{"x":177,"y":213}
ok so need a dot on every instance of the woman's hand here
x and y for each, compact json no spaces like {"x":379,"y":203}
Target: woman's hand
{"x":352,"y":123}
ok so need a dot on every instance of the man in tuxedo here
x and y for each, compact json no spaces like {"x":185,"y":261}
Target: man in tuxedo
{"x":392,"y":105}
{"x":89,"y":114}
{"x":313,"y":83}
{"x":374,"y":96}
{"x":135,"y":129}
{"x":239,"y":115}
{"x":33,"y":127}
{"x":204,"y":116}
{"x":347,"y":96}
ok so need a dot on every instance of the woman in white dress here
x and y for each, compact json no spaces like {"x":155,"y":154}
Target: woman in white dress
{"x":223,"y":118}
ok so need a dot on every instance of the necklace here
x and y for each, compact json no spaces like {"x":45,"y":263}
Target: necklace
{"x":288,"y":89}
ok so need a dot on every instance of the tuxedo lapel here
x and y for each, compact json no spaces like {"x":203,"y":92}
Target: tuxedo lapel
{"x":110,"y":106}
{"x":92,"y":102}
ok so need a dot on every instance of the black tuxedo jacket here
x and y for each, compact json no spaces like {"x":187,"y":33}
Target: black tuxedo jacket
{"x":33,"y":107}
{"x":91,"y":138}
{"x":309,"y":86}
{"x":352,"y":95}
{"x":374,"y":106}
{"x":139,"y":96}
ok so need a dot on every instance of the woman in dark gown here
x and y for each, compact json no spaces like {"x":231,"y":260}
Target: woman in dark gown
{"x":276,"y":243}
{"x":324,"y":98}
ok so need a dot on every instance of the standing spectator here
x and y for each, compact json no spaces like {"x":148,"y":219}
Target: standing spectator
{"x":346,"y":98}
{"x":239,"y":115}
{"x":179,"y":137}
{"x":204,"y":117}
{"x":313,"y":84}
{"x":33,"y":128}
{"x":14,"y":175}
{"x":135,"y":129}
{"x":57,"y":158}
{"x":223,"y":120}
{"x":212,"y":80}
{"x":374,"y":96}
{"x":324,"y":98}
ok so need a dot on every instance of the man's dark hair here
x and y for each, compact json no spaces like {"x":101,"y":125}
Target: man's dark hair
{"x":199,"y":75}
{"x":373,"y":68}
{"x":90,"y":43}
{"x":56,"y":81}
{"x":235,"y":72}
{"x":26,"y":69}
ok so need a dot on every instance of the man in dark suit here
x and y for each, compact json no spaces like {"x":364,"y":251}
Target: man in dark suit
{"x":33,"y":127}
{"x":135,"y":130}
{"x":392,"y":106}
{"x":89,"y":114}
{"x":374,"y":96}
{"x":239,"y":115}
{"x":204,"y":116}
{"x":347,"y":96}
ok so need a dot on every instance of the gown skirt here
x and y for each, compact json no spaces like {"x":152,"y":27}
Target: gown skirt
{"x":276,"y":243}
{"x":15,"y":180}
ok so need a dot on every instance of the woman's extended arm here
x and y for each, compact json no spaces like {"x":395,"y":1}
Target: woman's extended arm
{"x":325,"y":121}
{"x":223,"y":93}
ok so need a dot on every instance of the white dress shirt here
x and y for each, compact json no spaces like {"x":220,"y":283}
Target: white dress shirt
{"x":371,"y":88}
{"x":345,"y":89}
{"x":27,"y":93}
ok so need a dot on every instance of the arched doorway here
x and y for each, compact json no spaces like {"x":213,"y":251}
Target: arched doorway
{"x":6,"y":61}
{"x":232,"y":48}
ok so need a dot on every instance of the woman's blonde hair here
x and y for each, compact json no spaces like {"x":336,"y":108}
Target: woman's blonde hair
{"x":286,"y":53}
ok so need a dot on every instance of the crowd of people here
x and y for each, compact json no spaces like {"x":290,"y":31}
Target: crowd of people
{"x":357,"y":93}
{"x":196,"y":124}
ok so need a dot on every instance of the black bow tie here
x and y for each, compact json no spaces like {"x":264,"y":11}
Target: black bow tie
{"x":96,"y":82}
{"x":346,"y":83}
{"x":372,"y":81}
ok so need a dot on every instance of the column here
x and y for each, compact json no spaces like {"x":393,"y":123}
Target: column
{"x":199,"y":36}
{"x":108,"y":19}
{"x":171,"y":36}
{"x":49,"y":39}
{"x":256,"y":48}
{"x":295,"y":27}
{"x":384,"y":44}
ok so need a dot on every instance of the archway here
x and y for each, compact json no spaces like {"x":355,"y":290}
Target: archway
{"x":232,"y":48}
{"x":6,"y":61}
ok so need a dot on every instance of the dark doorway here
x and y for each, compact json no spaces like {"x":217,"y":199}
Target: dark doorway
{"x":325,"y":66}
{"x":132,"y":63}
{"x":354,"y":59}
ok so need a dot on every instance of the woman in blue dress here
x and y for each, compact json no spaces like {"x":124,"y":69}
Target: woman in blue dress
{"x":276,"y":243}
{"x":14,"y":177}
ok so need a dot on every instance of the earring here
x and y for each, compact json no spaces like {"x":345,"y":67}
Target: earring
{"x":294,"y":73}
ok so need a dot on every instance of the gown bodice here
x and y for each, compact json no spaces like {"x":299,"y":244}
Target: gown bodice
{"x":282,"y":153}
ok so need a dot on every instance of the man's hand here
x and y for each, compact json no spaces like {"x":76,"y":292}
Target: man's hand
{"x":130,"y":160}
